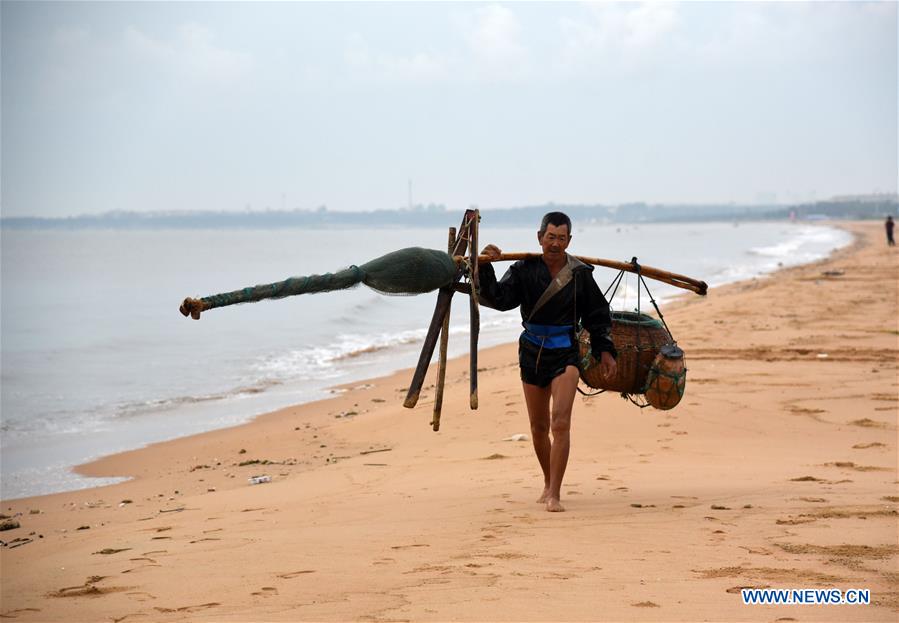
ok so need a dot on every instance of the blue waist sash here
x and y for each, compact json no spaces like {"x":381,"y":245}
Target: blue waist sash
{"x":548,"y":335}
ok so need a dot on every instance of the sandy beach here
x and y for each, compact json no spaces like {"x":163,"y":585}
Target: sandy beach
{"x":778,"y":469}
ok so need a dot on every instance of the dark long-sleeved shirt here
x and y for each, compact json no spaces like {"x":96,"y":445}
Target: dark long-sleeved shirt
{"x":526,"y":280}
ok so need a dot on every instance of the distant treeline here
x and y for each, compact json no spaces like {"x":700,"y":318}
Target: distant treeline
{"x":439,"y":216}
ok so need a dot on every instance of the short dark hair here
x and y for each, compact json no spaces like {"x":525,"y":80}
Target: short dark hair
{"x":555,"y":218}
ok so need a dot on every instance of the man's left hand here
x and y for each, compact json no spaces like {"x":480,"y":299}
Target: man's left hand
{"x":608,"y":367}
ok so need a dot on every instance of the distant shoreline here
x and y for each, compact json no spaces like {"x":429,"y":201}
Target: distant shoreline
{"x":862,"y":208}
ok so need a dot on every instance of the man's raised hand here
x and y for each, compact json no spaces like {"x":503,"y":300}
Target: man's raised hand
{"x":492,"y":251}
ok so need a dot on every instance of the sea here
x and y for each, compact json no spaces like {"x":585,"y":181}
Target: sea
{"x":95,"y":357}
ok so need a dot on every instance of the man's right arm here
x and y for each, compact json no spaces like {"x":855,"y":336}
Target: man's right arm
{"x":501,"y":295}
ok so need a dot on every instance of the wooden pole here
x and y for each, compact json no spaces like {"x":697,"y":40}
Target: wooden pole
{"x":679,"y":281}
{"x":444,"y":297}
{"x":474,"y":310}
{"x":444,"y":342}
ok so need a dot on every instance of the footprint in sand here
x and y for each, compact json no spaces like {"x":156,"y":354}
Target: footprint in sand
{"x":211,"y":604}
{"x":89,"y":588}
{"x":410,"y":545}
{"x":761,"y":551}
{"x":293,"y":574}
{"x":793,"y":522}
{"x":139,"y":568}
{"x":739,"y":589}
{"x":11,"y":614}
{"x":772,"y":574}
{"x":858,"y":468}
{"x":108,"y":551}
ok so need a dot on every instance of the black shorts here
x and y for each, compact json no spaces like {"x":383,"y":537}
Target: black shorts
{"x":540,"y":368}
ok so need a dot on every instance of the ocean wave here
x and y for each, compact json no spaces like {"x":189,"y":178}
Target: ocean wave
{"x":819,"y":237}
{"x":323,"y":361}
{"x":141,"y":407}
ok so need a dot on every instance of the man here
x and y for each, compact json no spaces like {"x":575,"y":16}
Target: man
{"x":554,"y":291}
{"x":888,"y":225}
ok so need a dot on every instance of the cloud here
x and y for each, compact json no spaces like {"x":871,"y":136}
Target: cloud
{"x":773,"y":33}
{"x":493,"y":34}
{"x":192,"y":52}
{"x":491,"y":49}
{"x":367,"y":63}
{"x":615,"y":28}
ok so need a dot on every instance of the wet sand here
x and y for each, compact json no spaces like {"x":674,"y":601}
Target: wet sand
{"x":778,"y":469}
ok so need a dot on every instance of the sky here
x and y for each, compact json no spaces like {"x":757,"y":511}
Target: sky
{"x":236,"y":106}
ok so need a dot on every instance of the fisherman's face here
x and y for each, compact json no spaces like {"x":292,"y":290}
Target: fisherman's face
{"x":554,"y":241}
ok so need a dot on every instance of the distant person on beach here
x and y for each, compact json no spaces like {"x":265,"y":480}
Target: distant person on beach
{"x":554,"y":292}
{"x":888,"y":225}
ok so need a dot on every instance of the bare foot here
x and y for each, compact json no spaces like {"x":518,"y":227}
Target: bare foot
{"x":553,"y":505}
{"x":543,"y":496}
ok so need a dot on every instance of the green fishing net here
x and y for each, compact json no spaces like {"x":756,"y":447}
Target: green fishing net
{"x":408,"y":271}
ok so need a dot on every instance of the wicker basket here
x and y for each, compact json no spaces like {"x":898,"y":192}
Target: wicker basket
{"x":638,"y":339}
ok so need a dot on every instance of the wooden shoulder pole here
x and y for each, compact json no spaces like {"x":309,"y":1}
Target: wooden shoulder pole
{"x":678,"y":281}
{"x":444,"y":342}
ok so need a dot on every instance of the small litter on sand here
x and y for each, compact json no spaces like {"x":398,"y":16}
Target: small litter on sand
{"x":517,"y":437}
